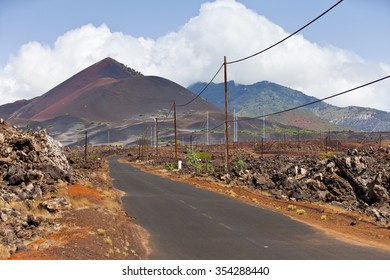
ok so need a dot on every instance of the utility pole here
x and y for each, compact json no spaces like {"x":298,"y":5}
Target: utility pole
{"x":234,"y":126}
{"x":207,"y":128}
{"x":157,"y":136}
{"x":174,"y":122}
{"x":151,"y":137}
{"x":142,"y":147}
{"x":226,"y":116}
{"x":139,"y":148}
{"x":299,"y":140}
{"x":86,"y":145}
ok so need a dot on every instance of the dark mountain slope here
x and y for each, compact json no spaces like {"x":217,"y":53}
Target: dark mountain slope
{"x":264,"y":98}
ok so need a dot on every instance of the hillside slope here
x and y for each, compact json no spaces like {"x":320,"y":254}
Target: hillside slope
{"x":108,"y":98}
{"x":264,"y":98}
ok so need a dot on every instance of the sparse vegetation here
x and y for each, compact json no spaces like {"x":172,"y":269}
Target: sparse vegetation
{"x":200,"y":162}
{"x":108,"y":241}
{"x":301,"y":212}
{"x":170,"y":166}
{"x":326,"y":155}
{"x":101,"y":232}
{"x":291,"y":207}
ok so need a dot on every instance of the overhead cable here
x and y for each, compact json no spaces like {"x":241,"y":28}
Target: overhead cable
{"x":307,"y":104}
{"x":200,"y":93}
{"x":286,"y":38}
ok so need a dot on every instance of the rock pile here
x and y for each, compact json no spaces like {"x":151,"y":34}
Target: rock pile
{"x":31,"y":166}
{"x":358,"y":180}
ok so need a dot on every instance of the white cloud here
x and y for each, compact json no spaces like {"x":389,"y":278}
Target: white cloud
{"x":195,"y":52}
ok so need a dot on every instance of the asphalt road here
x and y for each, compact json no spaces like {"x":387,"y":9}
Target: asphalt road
{"x":186,"y":222}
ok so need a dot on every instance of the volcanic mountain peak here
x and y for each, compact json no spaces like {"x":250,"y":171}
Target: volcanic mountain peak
{"x":110,"y":68}
{"x":103,"y":72}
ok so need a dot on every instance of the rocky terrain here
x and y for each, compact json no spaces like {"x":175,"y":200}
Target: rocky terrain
{"x":358,"y":181}
{"x":355,"y":180}
{"x":32,"y":165}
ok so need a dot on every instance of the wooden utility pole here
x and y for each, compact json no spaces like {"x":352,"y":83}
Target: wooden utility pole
{"x":139,"y":148}
{"x":157,"y":136}
{"x":142,"y":147}
{"x":207,"y":128}
{"x":174,"y":121}
{"x":86,"y":145}
{"x":226,"y":116}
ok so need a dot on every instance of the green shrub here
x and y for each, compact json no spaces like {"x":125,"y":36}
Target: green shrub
{"x":170,"y":166}
{"x":200,"y":162}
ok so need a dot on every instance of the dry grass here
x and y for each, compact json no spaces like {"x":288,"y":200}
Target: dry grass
{"x":101,"y":232}
{"x":291,"y":207}
{"x":4,"y":253}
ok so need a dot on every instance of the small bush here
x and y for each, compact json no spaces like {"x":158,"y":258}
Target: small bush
{"x":323,"y":218}
{"x":200,"y":162}
{"x":108,"y":241}
{"x":291,"y":207}
{"x":93,"y":157}
{"x":101,"y":232}
{"x":203,"y":155}
{"x":170,"y":166}
{"x":301,"y":212}
{"x":240,"y":165}
{"x":326,"y":155}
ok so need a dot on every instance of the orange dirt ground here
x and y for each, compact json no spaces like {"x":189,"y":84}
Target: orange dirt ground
{"x":93,"y":229}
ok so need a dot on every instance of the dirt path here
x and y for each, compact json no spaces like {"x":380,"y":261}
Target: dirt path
{"x":95,"y":228}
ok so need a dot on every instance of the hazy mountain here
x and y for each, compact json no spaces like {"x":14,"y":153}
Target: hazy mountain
{"x":264,"y":98}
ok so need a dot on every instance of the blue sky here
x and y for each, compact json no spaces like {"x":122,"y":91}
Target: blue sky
{"x":359,"y":27}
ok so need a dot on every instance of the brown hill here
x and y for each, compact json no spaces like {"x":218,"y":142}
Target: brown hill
{"x":108,"y":92}
{"x":107,"y":96}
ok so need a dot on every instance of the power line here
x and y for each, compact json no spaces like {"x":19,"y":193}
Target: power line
{"x":307,"y":104}
{"x":203,"y":90}
{"x":245,"y":58}
{"x":320,"y":100}
{"x":286,"y":38}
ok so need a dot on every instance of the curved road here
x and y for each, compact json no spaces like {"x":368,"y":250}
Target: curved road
{"x":185,"y":222}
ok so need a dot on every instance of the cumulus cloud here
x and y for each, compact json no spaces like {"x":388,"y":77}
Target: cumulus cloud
{"x":195,"y":52}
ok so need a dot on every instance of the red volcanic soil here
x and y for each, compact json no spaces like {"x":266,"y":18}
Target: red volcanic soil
{"x":108,"y":91}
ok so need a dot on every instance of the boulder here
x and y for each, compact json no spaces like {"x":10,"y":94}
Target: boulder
{"x":56,"y":204}
{"x":31,"y":165}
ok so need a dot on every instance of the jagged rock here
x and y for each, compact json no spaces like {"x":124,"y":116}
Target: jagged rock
{"x":31,"y":164}
{"x":227,"y":178}
{"x":356,"y":181}
{"x":56,"y":204}
{"x":262,"y":182}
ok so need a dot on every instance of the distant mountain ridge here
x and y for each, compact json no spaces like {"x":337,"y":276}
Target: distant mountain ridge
{"x":117,"y":104}
{"x":265,"y":97}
